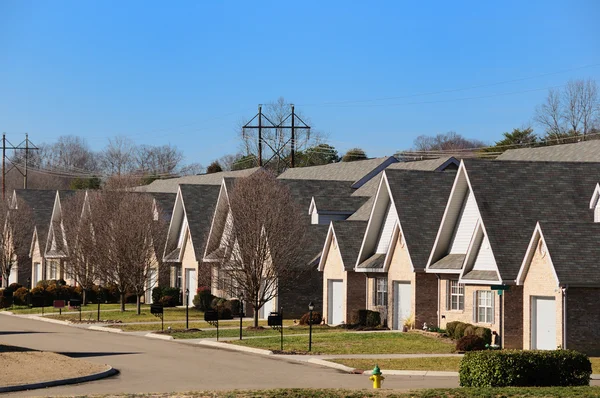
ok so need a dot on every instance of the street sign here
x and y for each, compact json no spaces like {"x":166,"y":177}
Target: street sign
{"x":499,"y":287}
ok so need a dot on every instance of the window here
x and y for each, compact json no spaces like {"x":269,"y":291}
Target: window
{"x":484,"y":306}
{"x":178,"y":277}
{"x":381,"y":292}
{"x":52,"y":270}
{"x":456,"y":296}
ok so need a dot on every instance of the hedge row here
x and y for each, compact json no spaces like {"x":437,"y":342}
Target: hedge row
{"x":525,"y":369}
{"x":458,"y":330}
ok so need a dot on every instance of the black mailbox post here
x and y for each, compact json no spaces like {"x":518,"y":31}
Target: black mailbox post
{"x":275,"y":321}
{"x":212,"y":317}
{"x":158,"y":311}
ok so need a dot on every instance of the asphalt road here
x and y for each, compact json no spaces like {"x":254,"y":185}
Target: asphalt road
{"x":150,"y":365}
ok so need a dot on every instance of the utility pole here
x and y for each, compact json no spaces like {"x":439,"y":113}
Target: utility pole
{"x":293,"y":141}
{"x":27,"y":146}
{"x":260,"y":162}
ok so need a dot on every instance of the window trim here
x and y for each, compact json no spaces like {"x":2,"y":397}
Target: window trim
{"x":478,"y":308}
{"x":460,"y":304}
{"x":377,"y":291}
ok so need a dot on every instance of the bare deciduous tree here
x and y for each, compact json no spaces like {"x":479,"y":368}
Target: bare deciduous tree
{"x":262,"y":241}
{"x":15,"y":236}
{"x":445,"y":142}
{"x":125,"y":230}
{"x":158,"y":160}
{"x":118,"y":157}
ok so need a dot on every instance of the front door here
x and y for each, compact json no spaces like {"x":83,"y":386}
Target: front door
{"x":402,"y":303}
{"x":37,"y":274}
{"x":335,"y":302}
{"x":151,"y":285}
{"x":190,"y":283}
{"x":543,"y":323}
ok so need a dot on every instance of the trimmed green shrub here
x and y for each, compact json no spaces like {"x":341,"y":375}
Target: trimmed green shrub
{"x":5,"y":300}
{"x":485,"y":334}
{"x":525,"y":369}
{"x":367,"y":318}
{"x":469,"y":330}
{"x":459,"y":331}
{"x":168,"y":301}
{"x":317,"y":318}
{"x":470,"y":342}
{"x":20,"y":297}
{"x":450,"y":327}
{"x":234,"y":306}
{"x":224,"y":313}
{"x":173,"y":292}
{"x":203,"y":298}
{"x":156,"y":294}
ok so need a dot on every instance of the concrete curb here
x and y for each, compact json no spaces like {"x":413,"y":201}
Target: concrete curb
{"x":233,"y":347}
{"x":334,"y":365}
{"x":595,"y":377}
{"x":105,"y":329}
{"x":75,"y":380}
{"x":158,"y":336}
{"x":37,"y":318}
{"x":414,"y":373}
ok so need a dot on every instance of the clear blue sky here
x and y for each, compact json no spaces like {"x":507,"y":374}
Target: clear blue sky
{"x":186,"y":73}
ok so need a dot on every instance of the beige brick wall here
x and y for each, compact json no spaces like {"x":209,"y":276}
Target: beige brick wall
{"x":400,"y":270}
{"x":188,"y":261}
{"x":467,"y":314}
{"x":333,"y":269}
{"x":540,"y":281}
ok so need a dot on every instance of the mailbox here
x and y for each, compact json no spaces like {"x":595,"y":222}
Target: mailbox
{"x":75,"y":303}
{"x":59,"y":303}
{"x":156,"y":308}
{"x":275,"y":319}
{"x":211,"y":316}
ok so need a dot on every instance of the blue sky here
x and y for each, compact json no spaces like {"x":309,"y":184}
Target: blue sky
{"x":186,"y":73}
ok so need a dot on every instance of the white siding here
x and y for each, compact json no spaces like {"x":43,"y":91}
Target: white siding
{"x":314,"y":218}
{"x":465,"y":226}
{"x":386,"y":231}
{"x":597,"y":212}
{"x":485,"y":258}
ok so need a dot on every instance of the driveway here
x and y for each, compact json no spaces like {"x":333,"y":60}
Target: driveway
{"x":151,"y":365}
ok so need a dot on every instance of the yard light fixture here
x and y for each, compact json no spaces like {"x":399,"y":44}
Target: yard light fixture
{"x":187,"y":307}
{"x":241,"y":299}
{"x":311,"y":307}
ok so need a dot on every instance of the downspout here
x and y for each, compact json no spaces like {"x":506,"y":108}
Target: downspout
{"x":564,"y":336}
{"x":439,"y":293}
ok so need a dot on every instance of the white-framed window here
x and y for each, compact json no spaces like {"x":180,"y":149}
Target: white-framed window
{"x":178,"y":277}
{"x":456,"y":296}
{"x":381,"y":297}
{"x":52,"y":270}
{"x":484,"y":306}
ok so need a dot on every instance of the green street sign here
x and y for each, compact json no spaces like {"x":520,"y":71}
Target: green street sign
{"x":499,"y":287}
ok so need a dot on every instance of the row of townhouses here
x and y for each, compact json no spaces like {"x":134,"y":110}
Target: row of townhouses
{"x":512,"y":244}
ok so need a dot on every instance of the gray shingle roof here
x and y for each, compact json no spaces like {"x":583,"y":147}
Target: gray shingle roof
{"x":302,"y":190}
{"x":439,"y":164}
{"x":575,"y":252}
{"x":451,"y":261}
{"x":586,"y":151}
{"x":41,"y":203}
{"x":481,"y":276}
{"x":165,"y":201}
{"x":171,"y":184}
{"x":420,"y":198}
{"x":512,"y":196}
{"x":375,"y":262}
{"x":342,"y":204}
{"x":199,"y":202}
{"x":349,"y":236}
{"x":341,"y":171}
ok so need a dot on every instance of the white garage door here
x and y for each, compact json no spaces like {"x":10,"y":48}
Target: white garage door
{"x":543,"y":323}
{"x":402,"y":303}
{"x":335,"y":302}
{"x":191,"y":284}
{"x":266,"y":309}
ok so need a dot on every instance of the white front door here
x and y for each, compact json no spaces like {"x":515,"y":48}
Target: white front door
{"x":335,"y":302}
{"x":37,"y":274}
{"x":14,"y":272}
{"x":402,"y":303}
{"x":190,"y":283}
{"x":151,"y":285}
{"x":266,"y":309}
{"x":543,"y":323}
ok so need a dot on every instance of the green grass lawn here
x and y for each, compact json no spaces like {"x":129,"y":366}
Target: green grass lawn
{"x":210,"y":332}
{"x":446,"y":364}
{"x":538,"y":392}
{"x":130,"y":315}
{"x":23,"y":310}
{"x":357,"y":343}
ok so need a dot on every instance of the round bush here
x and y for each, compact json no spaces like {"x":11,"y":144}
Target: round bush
{"x":469,"y":330}
{"x":470,"y":343}
{"x":317,"y":318}
{"x":485,"y":334}
{"x":168,"y":301}
{"x":459,"y":331}
{"x":450,"y":327}
{"x":21,"y":296}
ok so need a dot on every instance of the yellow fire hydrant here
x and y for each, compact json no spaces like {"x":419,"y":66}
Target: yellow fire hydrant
{"x":376,"y":377}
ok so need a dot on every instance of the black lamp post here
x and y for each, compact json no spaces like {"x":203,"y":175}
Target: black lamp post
{"x":241,"y":312}
{"x":311,"y":307}
{"x":187,"y":306}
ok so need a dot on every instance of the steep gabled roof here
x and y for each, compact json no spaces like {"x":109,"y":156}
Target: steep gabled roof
{"x":338,"y":204}
{"x":53,"y":230}
{"x":41,"y":203}
{"x":439,"y":164}
{"x":586,"y":151}
{"x":172,"y":184}
{"x":349,"y":235}
{"x":199,"y":202}
{"x":512,"y":196}
{"x":420,"y":198}
{"x":165,"y":201}
{"x":574,"y":250}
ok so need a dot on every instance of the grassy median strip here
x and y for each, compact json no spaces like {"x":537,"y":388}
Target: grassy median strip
{"x":533,"y":392}
{"x":130,"y":315}
{"x":24,"y":310}
{"x":357,"y":343}
{"x":445,"y":364}
{"x":209,"y":332}
{"x":180,"y":324}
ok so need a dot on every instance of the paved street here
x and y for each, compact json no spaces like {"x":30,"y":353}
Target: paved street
{"x":150,"y":365}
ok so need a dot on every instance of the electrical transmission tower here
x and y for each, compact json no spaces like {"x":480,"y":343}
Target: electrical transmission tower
{"x":290,"y":123}
{"x":26,"y":146}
